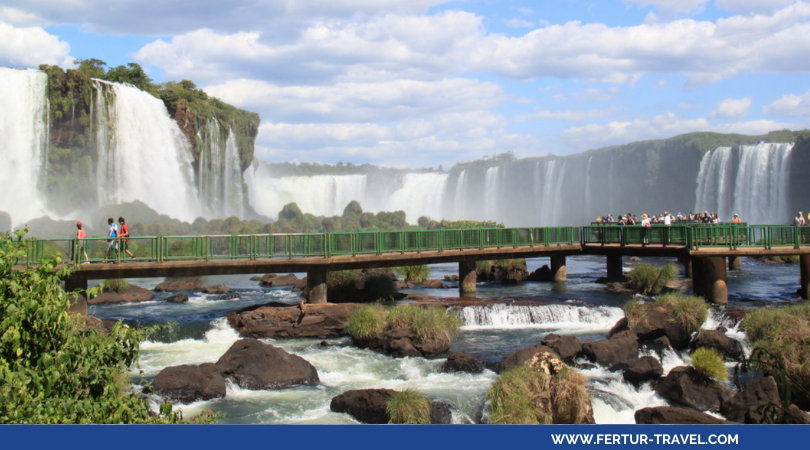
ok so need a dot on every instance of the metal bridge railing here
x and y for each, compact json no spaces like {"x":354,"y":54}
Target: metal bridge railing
{"x":219,"y":247}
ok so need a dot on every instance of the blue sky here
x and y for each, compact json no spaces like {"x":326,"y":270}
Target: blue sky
{"x":425,"y":83}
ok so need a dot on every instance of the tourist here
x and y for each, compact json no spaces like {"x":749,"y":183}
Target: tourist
{"x":799,"y":220}
{"x":736,"y":218}
{"x":645,"y":223}
{"x":667,"y":218}
{"x":81,"y":235}
{"x":124,"y":237}
{"x":112,"y":241}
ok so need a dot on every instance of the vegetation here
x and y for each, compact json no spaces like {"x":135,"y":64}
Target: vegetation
{"x":781,"y":346}
{"x":689,"y":310}
{"x":115,"y":285}
{"x":417,"y":274}
{"x":360,"y":285}
{"x":648,"y":279}
{"x":427,"y":322}
{"x":709,"y":363}
{"x":408,"y":407}
{"x":482,"y":268}
{"x":54,"y":368}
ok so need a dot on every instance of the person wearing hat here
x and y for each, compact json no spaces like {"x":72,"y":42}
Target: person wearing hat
{"x":81,"y":235}
{"x":736,"y":218}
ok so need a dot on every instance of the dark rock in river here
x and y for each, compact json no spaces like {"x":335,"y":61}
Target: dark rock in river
{"x":523,"y":356}
{"x":642,"y":369}
{"x":441,"y":412}
{"x":365,"y":405}
{"x":132,"y":294}
{"x":189,"y":383}
{"x":567,"y":347}
{"x":216,"y":289}
{"x":273,"y":279}
{"x":686,"y":387}
{"x":669,"y":415}
{"x":462,"y":362}
{"x":189,"y":284}
{"x":758,"y":402}
{"x":327,"y":320}
{"x":730,"y":348}
{"x":177,"y":298}
{"x":256,"y":365}
{"x":402,"y":342}
{"x":608,"y":352}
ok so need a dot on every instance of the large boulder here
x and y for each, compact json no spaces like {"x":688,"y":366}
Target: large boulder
{"x":643,"y":369}
{"x":684,"y":386}
{"x":256,"y":365}
{"x":730,"y":348}
{"x":365,"y":405}
{"x":177,"y":298}
{"x":189,"y":383}
{"x":189,"y":284}
{"x":523,"y":356}
{"x":567,"y":347}
{"x":273,"y":279}
{"x":757,"y":403}
{"x":674,"y":415}
{"x":462,"y":362}
{"x":506,"y":275}
{"x":403,"y":341}
{"x":608,"y":352}
{"x":652,"y":321}
{"x":441,"y":412}
{"x":321,"y":321}
{"x":216,"y":289}
{"x":132,"y":294}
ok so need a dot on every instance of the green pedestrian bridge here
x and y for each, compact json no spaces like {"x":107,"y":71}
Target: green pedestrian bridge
{"x":705,"y":250}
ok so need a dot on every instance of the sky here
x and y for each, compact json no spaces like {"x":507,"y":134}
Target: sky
{"x":429,"y":83}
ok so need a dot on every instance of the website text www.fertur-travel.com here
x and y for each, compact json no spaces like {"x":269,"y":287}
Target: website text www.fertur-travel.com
{"x":645,"y":439}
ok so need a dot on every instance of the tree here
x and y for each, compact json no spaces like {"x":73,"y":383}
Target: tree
{"x":93,"y":68}
{"x":54,"y":368}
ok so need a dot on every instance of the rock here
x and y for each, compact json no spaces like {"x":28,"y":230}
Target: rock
{"x":671,"y":415}
{"x":618,"y":288}
{"x":441,"y":412}
{"x":608,"y":352}
{"x":188,"y":383}
{"x":402,"y":342}
{"x":643,"y":369}
{"x":653,"y":321}
{"x":498,"y":273}
{"x":177,"y":298}
{"x":730,"y":348}
{"x":132,"y":294}
{"x":686,"y":387}
{"x":229,"y":296}
{"x":321,"y":321}
{"x":399,"y":285}
{"x":94,"y":323}
{"x":523,"y":356}
{"x":272,"y":279}
{"x":189,"y":284}
{"x":365,"y":405}
{"x":567,"y":347}
{"x":216,"y":289}
{"x":433,"y":284}
{"x":541,"y":274}
{"x":256,"y":365}
{"x":796,"y":416}
{"x":758,"y":402}
{"x":453,"y":278}
{"x":462,"y":362}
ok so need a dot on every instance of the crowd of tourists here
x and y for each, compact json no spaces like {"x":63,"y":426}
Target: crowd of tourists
{"x":117,"y":239}
{"x":665,"y":218}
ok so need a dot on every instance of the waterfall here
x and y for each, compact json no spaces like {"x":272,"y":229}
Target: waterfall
{"x":551,"y":203}
{"x":459,"y":198}
{"x":219,"y":180}
{"x":142,"y":153}
{"x":421,"y":194}
{"x":713,"y":183}
{"x":491,"y":189}
{"x":762,"y":185}
{"x":588,"y":200}
{"x":570,"y":317}
{"x":24,"y":131}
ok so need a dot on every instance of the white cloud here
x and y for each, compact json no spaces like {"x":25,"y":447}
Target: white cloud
{"x":790,"y":105}
{"x":519,"y":23}
{"x":745,"y":6}
{"x":30,"y":47}
{"x":671,"y":8}
{"x":616,"y":132}
{"x":732,"y":108}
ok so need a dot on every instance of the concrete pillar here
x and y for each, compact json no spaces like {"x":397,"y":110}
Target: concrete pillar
{"x":558,"y":270}
{"x":709,"y":278}
{"x":73,"y":283}
{"x":78,"y":300}
{"x":316,"y":286}
{"x":614,"y":267}
{"x":466,"y":278}
{"x":686,"y":262}
{"x":804,"y":275}
{"x":734,"y":263}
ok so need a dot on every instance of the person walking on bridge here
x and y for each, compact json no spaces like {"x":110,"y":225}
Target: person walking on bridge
{"x":124,"y":237}
{"x":112,"y":241}
{"x":81,"y":249}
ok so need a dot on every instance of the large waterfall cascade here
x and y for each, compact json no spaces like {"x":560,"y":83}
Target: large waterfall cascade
{"x":23,"y":142}
{"x":219,"y":180}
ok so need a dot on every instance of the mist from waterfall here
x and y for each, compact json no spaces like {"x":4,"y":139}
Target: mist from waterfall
{"x":24,"y":131}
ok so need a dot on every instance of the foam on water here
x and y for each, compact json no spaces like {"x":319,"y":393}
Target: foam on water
{"x":560,"y":317}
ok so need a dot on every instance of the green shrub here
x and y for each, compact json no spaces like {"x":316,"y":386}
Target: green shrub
{"x":115,"y":285}
{"x":709,"y":363}
{"x":408,"y":407}
{"x":482,"y":268}
{"x":435,"y":321}
{"x":690,"y":311}
{"x":649,"y":279}
{"x":54,"y":368}
{"x":342,"y":279}
{"x":380,"y":287}
{"x":417,"y":274}
{"x":401,"y":316}
{"x":366,"y":321}
{"x":511,"y":397}
{"x":631,"y":308}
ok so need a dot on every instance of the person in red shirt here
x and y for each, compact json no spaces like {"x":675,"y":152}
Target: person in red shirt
{"x":124,"y":236}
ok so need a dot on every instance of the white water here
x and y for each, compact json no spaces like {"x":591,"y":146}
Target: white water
{"x":714,"y":183}
{"x":23,"y":142}
{"x":219,"y":180}
{"x":142,"y":153}
{"x":572,"y":319}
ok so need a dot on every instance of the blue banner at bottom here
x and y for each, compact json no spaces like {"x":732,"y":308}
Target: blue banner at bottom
{"x":390,"y":437}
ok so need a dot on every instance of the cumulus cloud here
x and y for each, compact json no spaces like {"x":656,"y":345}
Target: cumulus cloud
{"x":745,"y":6}
{"x":30,"y":47}
{"x":671,"y":8}
{"x":616,"y":132}
{"x":790,"y":105}
{"x":732,"y":108}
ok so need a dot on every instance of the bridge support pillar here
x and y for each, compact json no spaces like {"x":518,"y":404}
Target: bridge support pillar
{"x":804,"y":268}
{"x":734,"y":263}
{"x":709,"y":278}
{"x":559,"y":272}
{"x":686,"y":262}
{"x":466,"y":278}
{"x":614,"y":267}
{"x":316,"y":286}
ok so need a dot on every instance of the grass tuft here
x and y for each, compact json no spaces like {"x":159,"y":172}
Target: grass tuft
{"x":648,"y":279}
{"x":366,"y":321}
{"x":117,"y":285}
{"x":709,"y":363}
{"x":690,"y":311}
{"x":408,"y":407}
{"x":417,"y":274}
